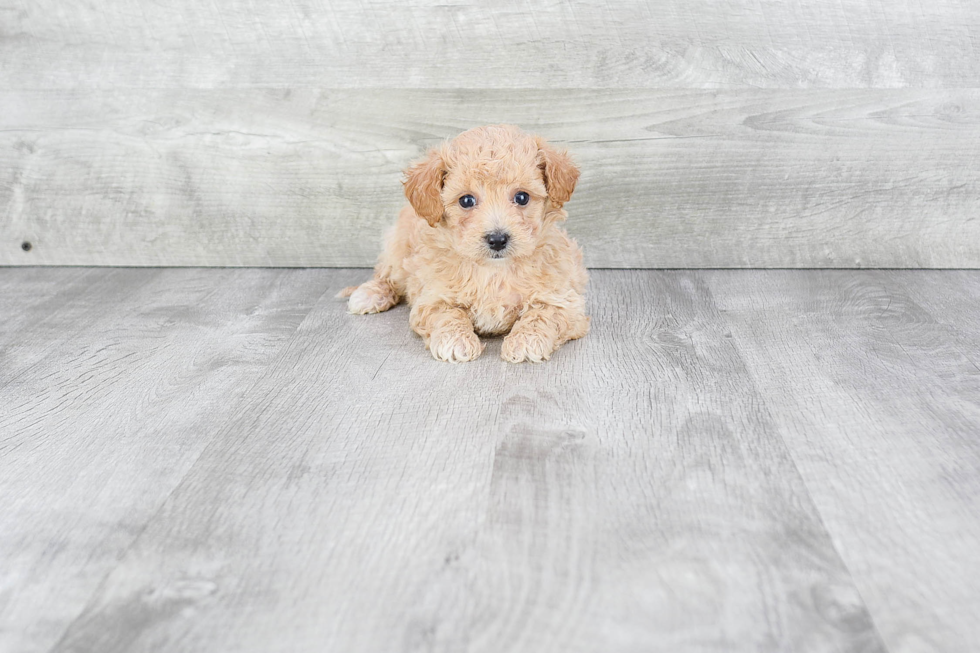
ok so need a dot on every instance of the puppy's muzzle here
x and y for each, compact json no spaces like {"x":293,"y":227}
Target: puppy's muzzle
{"x":497,"y":240}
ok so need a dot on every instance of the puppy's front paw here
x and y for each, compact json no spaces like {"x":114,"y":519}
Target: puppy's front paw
{"x":529,"y":346}
{"x":455,"y":346}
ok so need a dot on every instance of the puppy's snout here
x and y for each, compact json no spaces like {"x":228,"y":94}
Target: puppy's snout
{"x":497,"y":240}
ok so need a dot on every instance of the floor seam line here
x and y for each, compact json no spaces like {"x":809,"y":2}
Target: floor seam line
{"x":733,"y":341}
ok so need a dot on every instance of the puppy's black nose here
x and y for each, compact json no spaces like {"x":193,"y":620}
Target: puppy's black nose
{"x":497,"y":240}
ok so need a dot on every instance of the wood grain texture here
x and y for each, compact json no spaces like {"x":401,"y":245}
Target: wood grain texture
{"x":631,"y":494}
{"x":113,"y":382}
{"x":739,"y":178}
{"x":464,"y":44}
{"x":874,"y":381}
{"x":218,"y":460}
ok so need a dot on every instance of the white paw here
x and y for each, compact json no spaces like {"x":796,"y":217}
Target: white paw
{"x":528,"y":346}
{"x":455,"y":346}
{"x":367,"y":299}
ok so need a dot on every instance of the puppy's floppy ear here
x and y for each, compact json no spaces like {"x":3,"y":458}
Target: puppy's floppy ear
{"x":560,"y":174}
{"x":423,"y":187}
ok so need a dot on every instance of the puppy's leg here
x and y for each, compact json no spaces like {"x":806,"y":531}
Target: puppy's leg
{"x":447,"y":330}
{"x":541,"y":330}
{"x":388,"y":285}
{"x":374,"y":296}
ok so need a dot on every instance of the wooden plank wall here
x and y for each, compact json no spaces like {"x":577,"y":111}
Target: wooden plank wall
{"x":738,"y":133}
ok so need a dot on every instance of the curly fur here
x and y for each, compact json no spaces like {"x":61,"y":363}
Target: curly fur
{"x":437,"y":256}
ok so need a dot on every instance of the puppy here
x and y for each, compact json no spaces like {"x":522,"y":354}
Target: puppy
{"x":480,"y":249}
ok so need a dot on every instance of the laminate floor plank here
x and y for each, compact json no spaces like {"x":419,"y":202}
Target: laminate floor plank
{"x":874,"y":381}
{"x":225,"y":460}
{"x":633,"y":494}
{"x":45,"y":325}
{"x":30,"y":295}
{"x":110,"y":392}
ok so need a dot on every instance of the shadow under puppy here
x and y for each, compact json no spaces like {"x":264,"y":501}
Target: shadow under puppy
{"x":480,"y":249}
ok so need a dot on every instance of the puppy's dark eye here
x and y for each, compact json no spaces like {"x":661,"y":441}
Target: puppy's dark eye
{"x":467,"y":201}
{"x":522,"y":198}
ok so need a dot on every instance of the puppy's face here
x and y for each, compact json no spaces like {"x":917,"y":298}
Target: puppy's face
{"x":494,"y":188}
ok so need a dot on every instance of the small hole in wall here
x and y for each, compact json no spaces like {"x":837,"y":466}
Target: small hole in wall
{"x":26,"y":246}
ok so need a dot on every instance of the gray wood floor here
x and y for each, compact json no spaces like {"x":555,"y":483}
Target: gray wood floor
{"x":225,"y":460}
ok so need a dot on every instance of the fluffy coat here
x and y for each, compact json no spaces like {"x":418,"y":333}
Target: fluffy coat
{"x":441,"y":257}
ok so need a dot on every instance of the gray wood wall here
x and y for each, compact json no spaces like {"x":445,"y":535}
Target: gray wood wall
{"x":751,"y":133}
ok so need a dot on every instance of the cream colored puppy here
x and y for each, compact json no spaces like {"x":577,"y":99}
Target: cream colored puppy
{"x":480,"y":250}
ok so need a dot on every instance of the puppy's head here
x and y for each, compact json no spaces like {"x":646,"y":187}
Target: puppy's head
{"x":496,"y":189}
